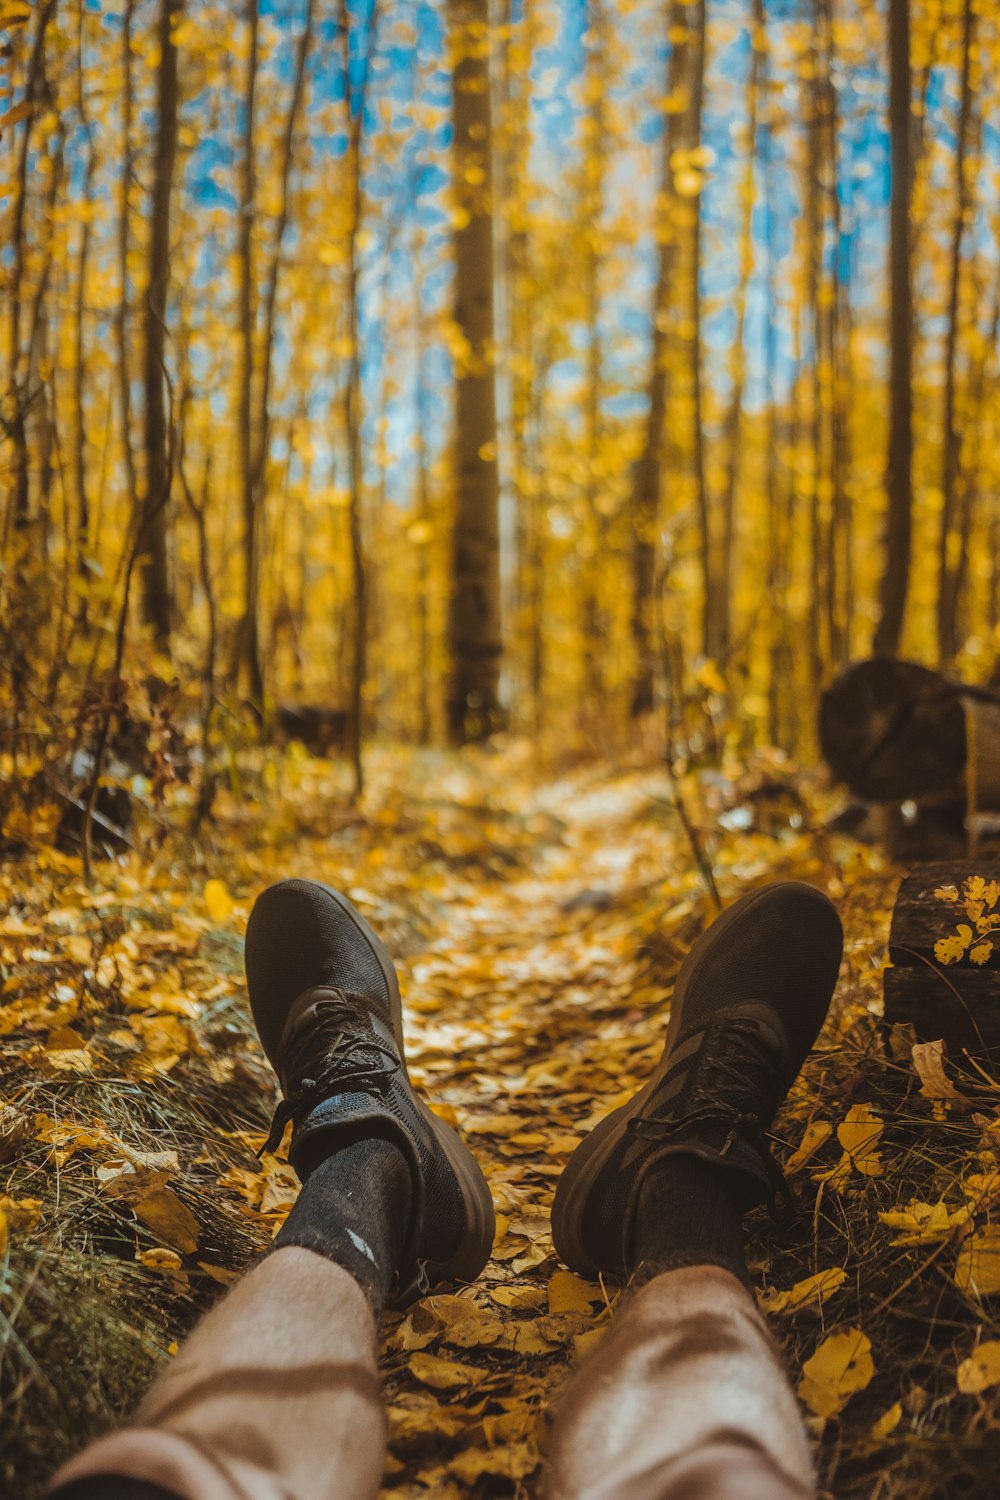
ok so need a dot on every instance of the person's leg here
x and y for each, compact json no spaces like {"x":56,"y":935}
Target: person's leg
{"x":276,"y":1394}
{"x":686,"y":1398}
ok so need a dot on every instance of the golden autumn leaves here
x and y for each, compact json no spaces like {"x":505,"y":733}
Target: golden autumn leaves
{"x":530,"y":1015}
{"x":843,"y":1363}
{"x":972,"y":938}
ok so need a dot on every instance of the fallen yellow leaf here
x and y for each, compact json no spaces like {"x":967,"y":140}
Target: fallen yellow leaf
{"x":518,"y":1296}
{"x":928,"y":1060}
{"x":442,"y":1374}
{"x":507,"y":1460}
{"x":570,"y":1293}
{"x":816,"y":1133}
{"x":923,"y":1223}
{"x":859,"y":1135}
{"x":841,"y":1366}
{"x":585,"y":1343}
{"x":169,"y":1219}
{"x":218,"y":900}
{"x":21,"y":1213}
{"x":981,"y":1370}
{"x":160,"y":1260}
{"x":221,"y":1274}
{"x":977,"y":1270}
{"x":812,"y":1289}
{"x":887,"y":1422}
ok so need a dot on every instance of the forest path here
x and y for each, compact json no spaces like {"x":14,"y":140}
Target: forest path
{"x":538,"y":1005}
{"x":537,"y":927}
{"x":532,"y":989}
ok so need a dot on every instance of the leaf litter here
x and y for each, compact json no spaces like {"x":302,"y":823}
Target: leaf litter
{"x":538,"y":927}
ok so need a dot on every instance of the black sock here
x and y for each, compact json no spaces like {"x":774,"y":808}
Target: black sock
{"x":111,"y":1487}
{"x":354,"y":1208}
{"x":688,"y":1214}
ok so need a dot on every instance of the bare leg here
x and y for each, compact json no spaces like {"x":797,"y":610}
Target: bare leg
{"x":685,"y":1399}
{"x":274,"y":1397}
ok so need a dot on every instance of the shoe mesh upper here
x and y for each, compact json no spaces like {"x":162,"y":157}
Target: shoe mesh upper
{"x":443,"y":1207}
{"x":783,"y":951}
{"x":299,"y":937}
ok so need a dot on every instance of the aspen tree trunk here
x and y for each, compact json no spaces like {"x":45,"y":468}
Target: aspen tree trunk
{"x":591,"y":207}
{"x":536,"y":541}
{"x":122,"y":310}
{"x":256,"y":365}
{"x":787,"y":646}
{"x":260,"y":423}
{"x":814,"y":227}
{"x":40,"y":354}
{"x":45,"y":436}
{"x":993,"y":587}
{"x":835,"y":323}
{"x":423,"y":508}
{"x":199,"y":511}
{"x":15,"y":417}
{"x":970,"y":486}
{"x":473,"y":708}
{"x":648,"y":473}
{"x":78,"y":415}
{"x":710,"y":633}
{"x":352,"y":390}
{"x":352,"y":425}
{"x":248,"y":635}
{"x":758,"y":43}
{"x":949,"y":556}
{"x":775,"y":620}
{"x":156,"y":595}
{"x":842,"y":524}
{"x":899,"y":525}
{"x":526,"y":616}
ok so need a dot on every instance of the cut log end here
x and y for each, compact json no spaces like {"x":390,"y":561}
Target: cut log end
{"x":951,"y":992}
{"x":892,"y":730}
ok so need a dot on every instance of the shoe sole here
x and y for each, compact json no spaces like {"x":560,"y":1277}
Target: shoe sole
{"x":588,"y":1160}
{"x":474,"y":1250}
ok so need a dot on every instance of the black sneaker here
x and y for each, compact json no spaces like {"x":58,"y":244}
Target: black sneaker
{"x":747,"y":1006}
{"x":325,"y":999}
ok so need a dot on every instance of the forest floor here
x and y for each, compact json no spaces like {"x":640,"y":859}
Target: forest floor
{"x":538,"y":923}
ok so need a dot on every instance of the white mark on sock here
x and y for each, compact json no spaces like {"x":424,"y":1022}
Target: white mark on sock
{"x":359,"y":1244}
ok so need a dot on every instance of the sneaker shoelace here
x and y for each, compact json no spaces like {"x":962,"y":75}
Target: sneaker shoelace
{"x":346,"y":1061}
{"x":739,"y":1071}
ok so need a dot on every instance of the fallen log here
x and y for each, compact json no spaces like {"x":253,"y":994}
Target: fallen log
{"x":944,"y":951}
{"x":321,"y":729}
{"x":894,"y":732}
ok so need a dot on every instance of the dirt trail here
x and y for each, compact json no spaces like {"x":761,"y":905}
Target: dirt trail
{"x":537,"y":931}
